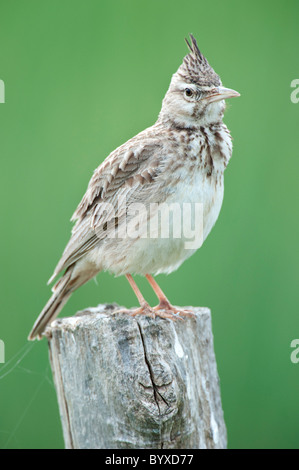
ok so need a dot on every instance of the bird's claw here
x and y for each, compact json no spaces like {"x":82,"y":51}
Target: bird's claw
{"x":161,"y":310}
{"x":174,"y":313}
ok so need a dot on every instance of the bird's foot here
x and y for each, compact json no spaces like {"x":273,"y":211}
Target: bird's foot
{"x":163,"y":310}
{"x":144,"y":309}
{"x":166,"y":310}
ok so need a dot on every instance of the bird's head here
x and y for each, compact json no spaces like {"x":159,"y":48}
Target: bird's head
{"x":195,"y":96}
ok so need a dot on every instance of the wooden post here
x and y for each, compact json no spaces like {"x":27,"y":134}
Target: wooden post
{"x":136,"y":382}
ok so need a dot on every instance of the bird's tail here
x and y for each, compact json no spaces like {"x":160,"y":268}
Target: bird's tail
{"x":62,"y":291}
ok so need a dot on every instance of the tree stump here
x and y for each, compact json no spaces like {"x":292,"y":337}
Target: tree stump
{"x":136,"y":382}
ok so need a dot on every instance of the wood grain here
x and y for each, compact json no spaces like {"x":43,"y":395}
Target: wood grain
{"x":136,"y":382}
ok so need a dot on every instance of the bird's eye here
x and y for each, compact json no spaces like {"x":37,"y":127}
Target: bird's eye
{"x":188,"y":92}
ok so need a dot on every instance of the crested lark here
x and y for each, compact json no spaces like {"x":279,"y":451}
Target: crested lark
{"x":179,"y":160}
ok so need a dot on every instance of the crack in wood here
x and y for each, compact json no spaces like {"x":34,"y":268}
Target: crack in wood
{"x":155,"y":390}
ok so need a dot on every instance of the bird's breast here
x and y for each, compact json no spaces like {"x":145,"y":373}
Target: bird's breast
{"x":198,"y":192}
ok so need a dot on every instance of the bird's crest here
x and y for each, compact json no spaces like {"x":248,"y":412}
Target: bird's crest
{"x":195,"y":67}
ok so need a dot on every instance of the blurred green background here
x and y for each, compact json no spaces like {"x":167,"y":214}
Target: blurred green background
{"x":80,"y":79}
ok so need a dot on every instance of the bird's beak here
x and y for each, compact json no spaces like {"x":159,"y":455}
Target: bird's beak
{"x":221,"y":93}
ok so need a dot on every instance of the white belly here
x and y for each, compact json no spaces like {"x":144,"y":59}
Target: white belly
{"x":158,"y":251}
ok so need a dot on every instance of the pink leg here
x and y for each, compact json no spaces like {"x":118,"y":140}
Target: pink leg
{"x":163,"y":300}
{"x":145,"y":308}
{"x":163,"y":310}
{"x":137,"y":292}
{"x":164,"y":303}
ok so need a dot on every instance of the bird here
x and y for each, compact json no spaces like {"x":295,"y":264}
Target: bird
{"x":178,"y":162}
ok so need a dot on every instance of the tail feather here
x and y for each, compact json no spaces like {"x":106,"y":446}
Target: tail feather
{"x":61,"y":293}
{"x":73,"y":278}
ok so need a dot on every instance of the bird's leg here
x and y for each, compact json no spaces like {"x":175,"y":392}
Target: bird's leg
{"x":144,"y":309}
{"x":164,"y":304}
{"x":143,"y":303}
{"x":163,"y":310}
{"x":163,"y":300}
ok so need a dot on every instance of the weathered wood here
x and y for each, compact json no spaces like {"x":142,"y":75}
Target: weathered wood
{"x":136,"y":382}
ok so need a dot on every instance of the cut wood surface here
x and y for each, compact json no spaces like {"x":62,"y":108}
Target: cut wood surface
{"x":136,"y":382}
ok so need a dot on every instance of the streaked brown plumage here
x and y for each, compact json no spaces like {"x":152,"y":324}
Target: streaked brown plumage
{"x":180,"y":159}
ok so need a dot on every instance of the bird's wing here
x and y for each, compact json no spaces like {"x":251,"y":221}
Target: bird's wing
{"x":124,"y":172}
